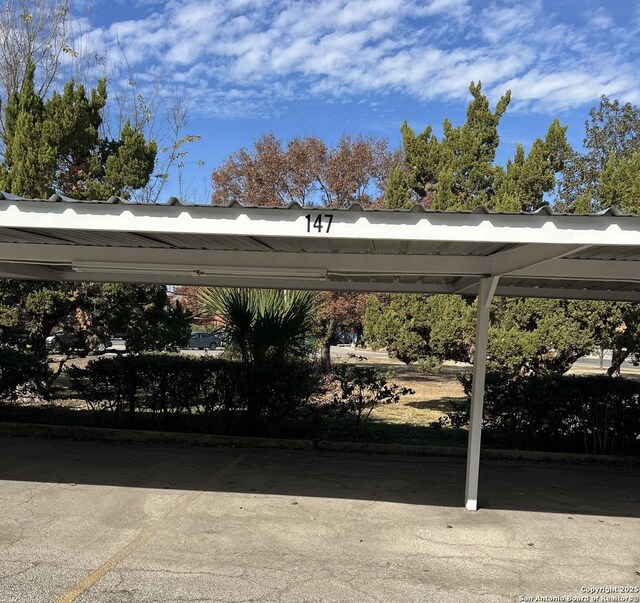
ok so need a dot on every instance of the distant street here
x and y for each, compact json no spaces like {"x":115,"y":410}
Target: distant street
{"x":343,"y":352}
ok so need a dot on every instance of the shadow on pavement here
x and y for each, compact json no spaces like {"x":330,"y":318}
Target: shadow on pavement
{"x":507,"y":485}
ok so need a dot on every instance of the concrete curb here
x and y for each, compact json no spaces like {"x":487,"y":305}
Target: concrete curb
{"x":72,"y":432}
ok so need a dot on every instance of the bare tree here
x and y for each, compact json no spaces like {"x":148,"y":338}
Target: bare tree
{"x":164,"y":118}
{"x":32,"y":32}
{"x":357,"y":170}
{"x":306,"y":171}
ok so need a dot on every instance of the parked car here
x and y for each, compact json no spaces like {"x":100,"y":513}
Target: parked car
{"x":203,"y":341}
{"x":74,"y":341}
{"x":343,"y":338}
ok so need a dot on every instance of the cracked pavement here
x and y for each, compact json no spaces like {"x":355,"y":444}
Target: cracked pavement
{"x":117,"y":523}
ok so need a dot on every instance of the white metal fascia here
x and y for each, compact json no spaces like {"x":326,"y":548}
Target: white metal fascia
{"x":265,"y":222}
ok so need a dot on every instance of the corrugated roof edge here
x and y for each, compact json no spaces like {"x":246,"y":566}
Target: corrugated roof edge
{"x":356,"y":207}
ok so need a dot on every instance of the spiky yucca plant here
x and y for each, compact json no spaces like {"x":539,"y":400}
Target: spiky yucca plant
{"x":263,"y":324}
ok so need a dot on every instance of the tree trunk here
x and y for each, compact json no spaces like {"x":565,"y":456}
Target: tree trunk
{"x":618,"y":356}
{"x":325,"y":351}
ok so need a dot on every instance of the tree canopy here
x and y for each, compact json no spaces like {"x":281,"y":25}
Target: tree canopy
{"x":306,"y":171}
{"x":605,"y":173}
{"x":414,"y":326}
{"x":459,"y":171}
{"x":55,"y":145}
{"x":528,"y":336}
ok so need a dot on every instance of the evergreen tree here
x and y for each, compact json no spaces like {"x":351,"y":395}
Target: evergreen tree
{"x":413,"y":326}
{"x":526,"y":336}
{"x":128,"y":166}
{"x":527,"y":179}
{"x":397,"y":195}
{"x":421,"y":153}
{"x":468,"y":152}
{"x":458,"y":172}
{"x":29,"y":159}
{"x":611,"y":139}
{"x":73,"y":122}
{"x":55,"y":145}
{"x":619,"y":183}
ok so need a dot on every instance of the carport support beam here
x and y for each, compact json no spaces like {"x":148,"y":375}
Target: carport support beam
{"x":485,"y":295}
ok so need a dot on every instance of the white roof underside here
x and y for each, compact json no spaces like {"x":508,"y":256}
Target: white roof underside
{"x":538,"y":255}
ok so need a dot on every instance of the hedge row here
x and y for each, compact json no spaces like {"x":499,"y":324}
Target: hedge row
{"x":17,"y":368}
{"x":593,"y":414}
{"x":224,"y":396}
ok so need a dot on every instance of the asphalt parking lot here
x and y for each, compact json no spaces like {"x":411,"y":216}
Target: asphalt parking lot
{"x":110,"y":522}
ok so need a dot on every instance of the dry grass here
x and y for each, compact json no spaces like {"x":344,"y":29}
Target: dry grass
{"x":431,"y":400}
{"x":433,"y":393}
{"x":432,"y":397}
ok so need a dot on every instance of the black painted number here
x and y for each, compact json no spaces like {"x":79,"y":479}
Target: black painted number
{"x":322,"y":223}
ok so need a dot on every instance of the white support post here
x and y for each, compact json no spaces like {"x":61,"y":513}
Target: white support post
{"x":485,"y":295}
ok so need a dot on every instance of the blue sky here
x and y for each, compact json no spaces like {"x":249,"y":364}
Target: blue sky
{"x":330,"y":67}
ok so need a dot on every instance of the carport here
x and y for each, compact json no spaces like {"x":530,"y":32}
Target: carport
{"x":481,"y":253}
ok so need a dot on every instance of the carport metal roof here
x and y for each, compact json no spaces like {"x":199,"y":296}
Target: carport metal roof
{"x":541,"y":254}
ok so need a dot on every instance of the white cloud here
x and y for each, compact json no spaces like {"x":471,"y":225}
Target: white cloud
{"x":601,"y":19}
{"x":230,"y":54}
{"x":500,"y":21}
{"x":458,"y":9}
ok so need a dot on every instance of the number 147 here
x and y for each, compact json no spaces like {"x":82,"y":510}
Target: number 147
{"x":319,"y":223}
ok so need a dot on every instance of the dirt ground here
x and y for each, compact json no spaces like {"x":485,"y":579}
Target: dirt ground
{"x":432,"y":397}
{"x":434,"y":393}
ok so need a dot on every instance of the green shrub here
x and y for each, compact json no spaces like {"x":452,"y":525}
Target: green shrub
{"x":429,"y":365}
{"x":170,"y":385}
{"x":411,"y":326}
{"x":360,"y":389}
{"x":220,"y":407}
{"x":593,"y":414}
{"x":277,"y":389}
{"x":17,"y":367}
{"x":106,"y":385}
{"x":221,"y":395}
{"x":163,"y":384}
